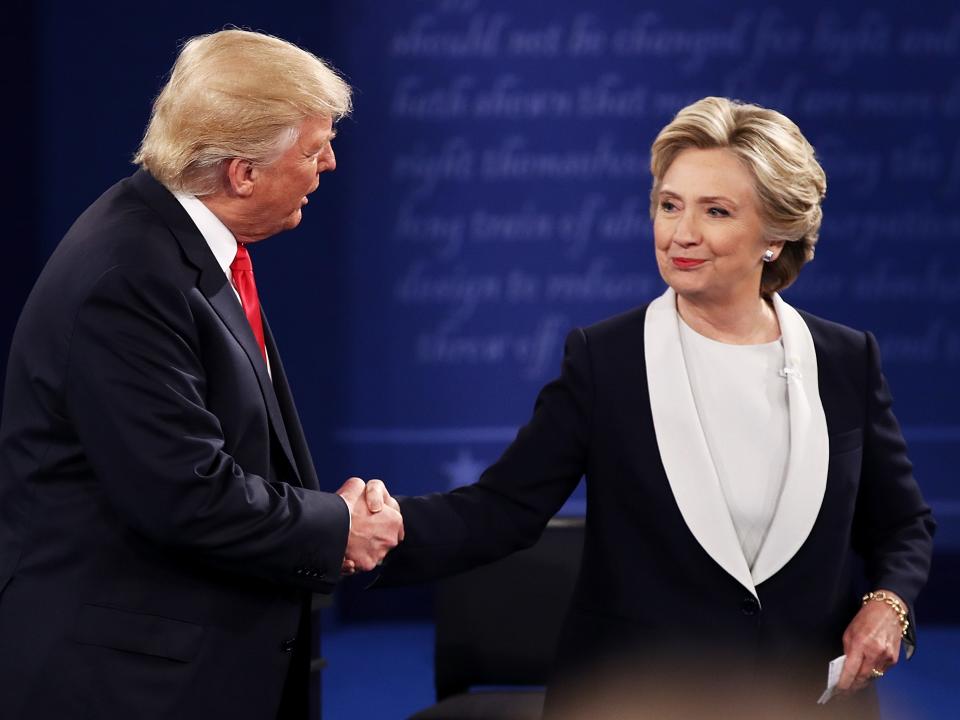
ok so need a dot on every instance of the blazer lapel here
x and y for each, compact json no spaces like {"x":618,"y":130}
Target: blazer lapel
{"x":224,"y":301}
{"x":213,"y":284}
{"x":806,"y":475}
{"x":289,"y":424}
{"x":683,"y":446}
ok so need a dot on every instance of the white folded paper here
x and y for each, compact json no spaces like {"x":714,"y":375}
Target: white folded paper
{"x":833,"y":677}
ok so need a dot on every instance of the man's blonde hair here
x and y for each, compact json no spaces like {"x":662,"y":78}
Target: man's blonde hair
{"x":230,"y":94}
{"x":788,"y":180}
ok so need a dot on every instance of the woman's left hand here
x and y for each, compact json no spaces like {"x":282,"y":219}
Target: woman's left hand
{"x":871,"y":643}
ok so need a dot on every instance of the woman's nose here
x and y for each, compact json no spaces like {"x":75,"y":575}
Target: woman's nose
{"x":686,"y":232}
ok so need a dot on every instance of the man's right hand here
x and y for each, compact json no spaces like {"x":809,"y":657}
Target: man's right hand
{"x":376,"y":526}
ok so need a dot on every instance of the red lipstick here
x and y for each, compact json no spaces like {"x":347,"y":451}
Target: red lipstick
{"x":686,"y":263}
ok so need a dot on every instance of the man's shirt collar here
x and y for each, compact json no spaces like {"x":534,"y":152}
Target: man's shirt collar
{"x":222,"y":243}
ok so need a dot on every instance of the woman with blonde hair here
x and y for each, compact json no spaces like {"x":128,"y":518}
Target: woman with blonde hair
{"x":751,"y":510}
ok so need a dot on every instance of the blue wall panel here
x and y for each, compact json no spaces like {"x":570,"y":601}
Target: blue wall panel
{"x":492,"y":193}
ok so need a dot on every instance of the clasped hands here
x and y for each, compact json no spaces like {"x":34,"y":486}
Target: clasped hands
{"x":376,"y":526}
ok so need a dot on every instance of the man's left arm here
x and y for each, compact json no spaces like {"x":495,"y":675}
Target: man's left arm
{"x":135,"y":389}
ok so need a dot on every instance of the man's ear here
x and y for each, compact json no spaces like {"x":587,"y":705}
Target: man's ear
{"x":240,"y":174}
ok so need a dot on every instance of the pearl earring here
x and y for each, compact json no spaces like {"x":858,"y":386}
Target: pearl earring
{"x":768,"y":256}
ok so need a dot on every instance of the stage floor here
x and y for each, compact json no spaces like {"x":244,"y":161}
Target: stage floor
{"x":384,"y":671}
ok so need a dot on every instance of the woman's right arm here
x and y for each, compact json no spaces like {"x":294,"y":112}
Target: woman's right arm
{"x":508,"y":507}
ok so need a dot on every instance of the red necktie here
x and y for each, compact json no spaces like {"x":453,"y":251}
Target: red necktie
{"x":242,"y":270}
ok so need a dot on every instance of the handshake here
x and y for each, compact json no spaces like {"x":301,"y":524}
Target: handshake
{"x":376,"y":526}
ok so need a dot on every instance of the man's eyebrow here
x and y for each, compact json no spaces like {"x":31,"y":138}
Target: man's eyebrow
{"x":328,"y":138}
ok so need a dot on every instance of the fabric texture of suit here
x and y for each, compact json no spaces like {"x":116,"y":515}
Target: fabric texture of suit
{"x":648,"y":586}
{"x":161,"y":527}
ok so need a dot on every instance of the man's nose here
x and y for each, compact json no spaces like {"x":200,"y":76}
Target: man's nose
{"x":328,"y":162}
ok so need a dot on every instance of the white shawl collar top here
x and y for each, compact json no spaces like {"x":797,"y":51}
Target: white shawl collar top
{"x":686,"y":456}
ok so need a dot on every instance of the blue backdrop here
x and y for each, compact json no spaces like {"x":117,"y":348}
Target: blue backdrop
{"x":492,"y":193}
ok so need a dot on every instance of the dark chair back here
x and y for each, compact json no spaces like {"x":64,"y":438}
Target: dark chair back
{"x":498,"y":625}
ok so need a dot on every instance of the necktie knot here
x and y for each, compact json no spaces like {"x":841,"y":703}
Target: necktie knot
{"x":242,"y":263}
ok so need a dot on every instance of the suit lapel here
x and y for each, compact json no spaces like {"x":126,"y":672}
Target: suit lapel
{"x":225,"y":303}
{"x":683,"y":446}
{"x":686,"y":456}
{"x":213,"y":284}
{"x":806,"y":476}
{"x":289,"y":426}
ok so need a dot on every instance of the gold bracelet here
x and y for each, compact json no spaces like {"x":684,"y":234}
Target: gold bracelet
{"x":881,"y":596}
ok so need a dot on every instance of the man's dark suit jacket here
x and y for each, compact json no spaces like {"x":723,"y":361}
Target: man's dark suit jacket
{"x":160,"y":520}
{"x":647,"y":585}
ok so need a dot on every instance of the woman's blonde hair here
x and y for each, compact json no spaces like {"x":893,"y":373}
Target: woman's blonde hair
{"x":789,"y":181}
{"x":234,"y":93}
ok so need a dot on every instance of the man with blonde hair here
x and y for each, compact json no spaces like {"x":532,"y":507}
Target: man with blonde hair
{"x":161,"y":521}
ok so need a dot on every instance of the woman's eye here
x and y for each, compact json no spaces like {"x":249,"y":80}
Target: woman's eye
{"x":667,"y":206}
{"x":718,"y":212}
